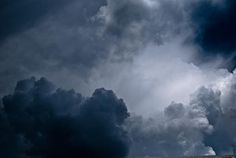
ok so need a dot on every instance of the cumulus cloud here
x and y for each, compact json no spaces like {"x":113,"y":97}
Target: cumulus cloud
{"x":204,"y":126}
{"x":179,"y":131}
{"x":38,"y":120}
{"x":42,"y":121}
{"x":224,"y":129}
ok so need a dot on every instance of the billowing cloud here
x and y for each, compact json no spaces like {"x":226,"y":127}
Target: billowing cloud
{"x":205,"y":126}
{"x":224,"y":118}
{"x":38,"y":120}
{"x":149,"y":52}
{"x":177,"y":132}
{"x":42,"y":121}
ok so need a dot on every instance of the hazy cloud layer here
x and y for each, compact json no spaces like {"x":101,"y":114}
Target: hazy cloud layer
{"x":17,"y":16}
{"x":74,"y":37}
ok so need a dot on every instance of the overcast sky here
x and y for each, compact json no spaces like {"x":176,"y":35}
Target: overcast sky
{"x":152,"y":77}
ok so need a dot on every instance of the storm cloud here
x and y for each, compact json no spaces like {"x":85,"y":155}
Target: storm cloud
{"x":171,"y":61}
{"x":38,"y":120}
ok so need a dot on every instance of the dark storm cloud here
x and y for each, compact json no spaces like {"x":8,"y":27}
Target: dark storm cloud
{"x":214,"y":25}
{"x":38,"y":120}
{"x":67,"y":41}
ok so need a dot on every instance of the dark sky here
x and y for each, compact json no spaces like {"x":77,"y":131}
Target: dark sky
{"x":65,"y":64}
{"x":215,"y":29}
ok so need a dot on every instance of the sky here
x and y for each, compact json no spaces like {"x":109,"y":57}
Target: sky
{"x":117,"y":79}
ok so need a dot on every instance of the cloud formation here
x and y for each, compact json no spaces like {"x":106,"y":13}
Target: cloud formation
{"x":38,"y":120}
{"x":149,"y":52}
{"x":203,"y":127}
{"x":74,"y":37}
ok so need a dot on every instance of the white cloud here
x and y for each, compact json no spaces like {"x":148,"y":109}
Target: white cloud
{"x":155,"y":77}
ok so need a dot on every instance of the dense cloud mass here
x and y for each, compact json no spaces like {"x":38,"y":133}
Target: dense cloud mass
{"x":38,"y":120}
{"x":172,"y":62}
{"x":180,"y":132}
{"x":204,"y":127}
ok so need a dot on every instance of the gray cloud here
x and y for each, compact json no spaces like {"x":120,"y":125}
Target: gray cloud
{"x":224,"y":128}
{"x":38,"y":120}
{"x":178,"y":133}
{"x":75,"y":37}
{"x":143,"y":21}
{"x":134,"y":47}
{"x":36,"y":111}
{"x":204,"y":126}
{"x":64,"y":39}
